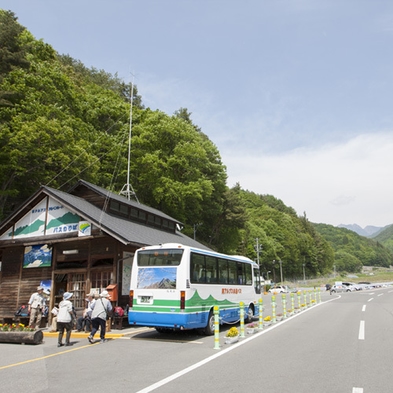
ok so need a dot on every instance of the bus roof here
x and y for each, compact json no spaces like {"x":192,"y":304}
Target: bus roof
{"x":201,"y":251}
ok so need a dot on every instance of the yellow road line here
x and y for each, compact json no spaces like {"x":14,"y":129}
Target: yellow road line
{"x":44,"y":357}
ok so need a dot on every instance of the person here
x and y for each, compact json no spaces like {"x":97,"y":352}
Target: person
{"x":64,"y":319}
{"x":85,"y":320}
{"x":55,"y":311}
{"x":37,"y":305}
{"x":101,"y":309}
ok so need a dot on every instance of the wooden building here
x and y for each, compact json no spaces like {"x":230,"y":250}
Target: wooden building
{"x":77,"y":241}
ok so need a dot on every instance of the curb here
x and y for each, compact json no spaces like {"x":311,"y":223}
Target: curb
{"x":85,"y":335}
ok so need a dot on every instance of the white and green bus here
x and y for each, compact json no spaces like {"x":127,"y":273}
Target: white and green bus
{"x":176,"y":287}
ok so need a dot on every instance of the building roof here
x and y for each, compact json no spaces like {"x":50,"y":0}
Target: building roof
{"x":105,"y":194}
{"x":124,"y":230}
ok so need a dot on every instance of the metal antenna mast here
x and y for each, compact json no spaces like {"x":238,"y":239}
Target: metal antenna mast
{"x":127,"y":189}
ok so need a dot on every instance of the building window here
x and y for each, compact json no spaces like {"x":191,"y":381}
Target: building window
{"x":77,"y":285}
{"x":100,"y":280}
{"x":115,"y":206}
{"x":124,"y":210}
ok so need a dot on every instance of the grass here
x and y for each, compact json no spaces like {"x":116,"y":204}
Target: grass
{"x":378,"y":275}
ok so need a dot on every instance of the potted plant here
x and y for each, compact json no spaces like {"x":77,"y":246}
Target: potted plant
{"x":232,"y":335}
{"x":267,"y":320}
{"x":251,"y":328}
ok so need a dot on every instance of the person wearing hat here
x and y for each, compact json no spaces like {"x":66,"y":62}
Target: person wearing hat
{"x":64,"y":319}
{"x":36,"y":306}
{"x":101,"y":309}
{"x":84,"y":322}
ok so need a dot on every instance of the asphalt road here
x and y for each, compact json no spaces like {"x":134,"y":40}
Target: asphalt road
{"x":343,"y":345}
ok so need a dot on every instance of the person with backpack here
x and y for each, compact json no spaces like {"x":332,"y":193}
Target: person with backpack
{"x":65,"y":319}
{"x":84,"y":322}
{"x":101,"y":311}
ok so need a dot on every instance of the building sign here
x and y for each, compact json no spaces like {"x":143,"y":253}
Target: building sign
{"x":84,"y":228}
{"x":37,"y":256}
{"x":48,"y":217}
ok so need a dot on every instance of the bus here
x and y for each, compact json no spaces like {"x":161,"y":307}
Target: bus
{"x":176,"y":287}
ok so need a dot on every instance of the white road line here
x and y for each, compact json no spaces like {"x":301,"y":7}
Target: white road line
{"x":361,"y":330}
{"x":357,"y":390}
{"x":369,"y":300}
{"x":364,"y":308}
{"x":381,"y":294}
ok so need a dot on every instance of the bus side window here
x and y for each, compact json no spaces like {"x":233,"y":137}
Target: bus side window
{"x":194,"y":276}
{"x":202,"y":275}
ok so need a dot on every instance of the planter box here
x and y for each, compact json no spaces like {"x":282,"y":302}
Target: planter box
{"x":231,"y":340}
{"x":34,"y":337}
{"x":251,"y":330}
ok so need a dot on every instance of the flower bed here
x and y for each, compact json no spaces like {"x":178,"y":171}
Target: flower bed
{"x":15,"y":327}
{"x":20,"y":334}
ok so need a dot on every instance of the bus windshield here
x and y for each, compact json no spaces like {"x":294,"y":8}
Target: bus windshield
{"x":168,"y":257}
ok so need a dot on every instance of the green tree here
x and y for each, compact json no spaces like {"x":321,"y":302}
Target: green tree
{"x":12,"y":53}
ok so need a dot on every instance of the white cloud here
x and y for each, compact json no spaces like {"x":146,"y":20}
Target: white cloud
{"x":346,"y":183}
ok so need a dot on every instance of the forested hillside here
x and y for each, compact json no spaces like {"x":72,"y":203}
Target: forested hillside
{"x":60,"y":121}
{"x":385,"y":237}
{"x":353,"y":251}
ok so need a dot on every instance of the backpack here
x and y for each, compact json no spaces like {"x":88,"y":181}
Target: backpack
{"x":119,"y":312}
{"x":23,"y":311}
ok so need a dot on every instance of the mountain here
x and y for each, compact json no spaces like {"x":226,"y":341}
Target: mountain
{"x":352,"y":251}
{"x":368,"y":231}
{"x":385,"y":237}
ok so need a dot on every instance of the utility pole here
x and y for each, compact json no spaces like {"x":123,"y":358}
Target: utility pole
{"x":258,"y":248}
{"x":280,"y":262}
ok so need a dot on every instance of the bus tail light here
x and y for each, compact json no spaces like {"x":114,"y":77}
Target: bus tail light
{"x":182,"y":300}
{"x":131,"y":301}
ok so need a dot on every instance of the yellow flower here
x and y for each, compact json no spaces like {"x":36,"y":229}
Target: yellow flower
{"x":232,"y":332}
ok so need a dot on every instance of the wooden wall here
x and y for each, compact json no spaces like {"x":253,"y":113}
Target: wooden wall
{"x":18,"y":284}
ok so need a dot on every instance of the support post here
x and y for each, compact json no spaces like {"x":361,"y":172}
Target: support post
{"x":284,"y":306}
{"x":216,"y":328}
{"x":260,"y":313}
{"x":274,"y":320}
{"x":242,"y":319}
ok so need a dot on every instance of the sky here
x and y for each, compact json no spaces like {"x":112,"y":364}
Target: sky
{"x":297,"y":95}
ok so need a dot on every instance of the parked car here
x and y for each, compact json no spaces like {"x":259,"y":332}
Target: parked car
{"x":352,"y":286}
{"x":340,"y":288}
{"x":279,"y":289}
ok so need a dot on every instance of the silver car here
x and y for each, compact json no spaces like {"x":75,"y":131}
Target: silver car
{"x":340,"y":288}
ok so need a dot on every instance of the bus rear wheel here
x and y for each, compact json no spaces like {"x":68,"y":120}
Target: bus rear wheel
{"x":209,"y":329}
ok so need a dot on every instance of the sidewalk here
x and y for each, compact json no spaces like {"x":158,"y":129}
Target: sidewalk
{"x":113,"y":333}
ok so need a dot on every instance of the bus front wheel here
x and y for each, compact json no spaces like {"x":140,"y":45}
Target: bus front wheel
{"x":209,"y":329}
